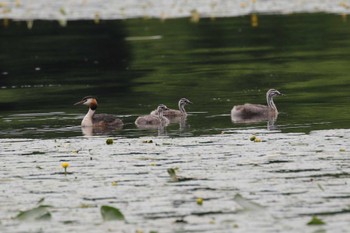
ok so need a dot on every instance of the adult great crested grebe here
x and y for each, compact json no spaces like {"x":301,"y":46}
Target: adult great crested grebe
{"x":97,"y":120}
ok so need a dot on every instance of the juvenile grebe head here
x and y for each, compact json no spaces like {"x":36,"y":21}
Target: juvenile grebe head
{"x":184,"y":101}
{"x":89,"y":101}
{"x":269,"y":97}
{"x":273,"y":92}
{"x":161,"y":108}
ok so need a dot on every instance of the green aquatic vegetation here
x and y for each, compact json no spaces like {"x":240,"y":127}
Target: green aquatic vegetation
{"x":316,"y":221}
{"x":109,"y":141}
{"x":254,"y":138}
{"x":199,"y":201}
{"x":320,"y":187}
{"x":141,"y":231}
{"x":84,"y":206}
{"x":110,"y":213}
{"x":38,"y":153}
{"x":114,"y":183}
{"x":63,"y":11}
{"x":172,"y":174}
{"x":41,"y":200}
{"x":174,"y":177}
{"x":148,"y":141}
{"x":38,"y":213}
{"x":69,"y":222}
{"x":247,"y":205}
{"x":258,"y":140}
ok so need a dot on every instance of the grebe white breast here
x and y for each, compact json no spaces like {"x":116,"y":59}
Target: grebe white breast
{"x":155,"y":120}
{"x":257,"y":111}
{"x":174,"y":112}
{"x":97,"y":120}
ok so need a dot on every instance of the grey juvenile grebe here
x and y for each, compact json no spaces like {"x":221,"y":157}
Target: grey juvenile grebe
{"x":156,"y":120}
{"x":257,"y":111}
{"x":174,"y":112}
{"x":97,"y":120}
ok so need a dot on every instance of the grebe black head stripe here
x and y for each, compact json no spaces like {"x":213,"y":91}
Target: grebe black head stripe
{"x":89,"y":97}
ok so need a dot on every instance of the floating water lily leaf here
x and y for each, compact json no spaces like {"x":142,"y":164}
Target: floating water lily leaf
{"x":63,"y":11}
{"x":316,"y":221}
{"x":246,"y":204}
{"x":38,"y":153}
{"x":38,"y":213}
{"x":41,"y":200}
{"x":172,"y":174}
{"x":176,"y":178}
{"x":148,"y":141}
{"x":320,"y":187}
{"x":109,"y":141}
{"x":110,"y":213}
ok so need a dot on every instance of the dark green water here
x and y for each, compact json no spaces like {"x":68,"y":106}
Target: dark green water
{"x":134,"y":65}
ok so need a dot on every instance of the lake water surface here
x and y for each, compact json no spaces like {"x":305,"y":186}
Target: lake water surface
{"x":134,"y":65}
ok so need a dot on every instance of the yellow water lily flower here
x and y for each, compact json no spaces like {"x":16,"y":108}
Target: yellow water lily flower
{"x":65,"y":165}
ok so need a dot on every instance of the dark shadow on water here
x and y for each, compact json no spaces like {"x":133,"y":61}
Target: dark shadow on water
{"x":59,"y":64}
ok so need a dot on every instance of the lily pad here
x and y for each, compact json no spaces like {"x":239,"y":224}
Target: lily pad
{"x":175,"y":178}
{"x":172,"y":174}
{"x":147,"y":141}
{"x":41,"y":200}
{"x":247,"y":205}
{"x":110,"y":213}
{"x":38,"y":213}
{"x":316,"y":221}
{"x":109,"y":141}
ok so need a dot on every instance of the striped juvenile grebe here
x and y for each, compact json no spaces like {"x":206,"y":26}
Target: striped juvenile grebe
{"x":173,"y":112}
{"x":257,"y":111}
{"x":155,"y":120}
{"x":97,"y":120}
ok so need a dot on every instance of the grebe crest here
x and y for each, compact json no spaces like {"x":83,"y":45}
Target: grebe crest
{"x":90,"y":101}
